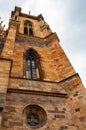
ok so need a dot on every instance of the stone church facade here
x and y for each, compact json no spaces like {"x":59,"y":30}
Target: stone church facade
{"x":39,"y":88}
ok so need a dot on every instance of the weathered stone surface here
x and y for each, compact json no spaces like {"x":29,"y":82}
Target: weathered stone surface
{"x":14,"y":112}
{"x":61,"y":93}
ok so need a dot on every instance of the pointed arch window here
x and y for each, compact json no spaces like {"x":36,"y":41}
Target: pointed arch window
{"x":33,"y":66}
{"x":30,"y":31}
{"x":28,"y":28}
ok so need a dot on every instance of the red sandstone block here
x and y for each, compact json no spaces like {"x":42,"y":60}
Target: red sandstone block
{"x":9,"y":41}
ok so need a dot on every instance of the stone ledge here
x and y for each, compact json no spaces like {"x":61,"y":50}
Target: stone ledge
{"x":41,"y":41}
{"x":37,"y":93}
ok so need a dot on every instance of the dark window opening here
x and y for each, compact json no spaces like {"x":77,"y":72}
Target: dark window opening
{"x":1,"y":109}
{"x":30,"y":31}
{"x":15,"y":17}
{"x":26,"y":30}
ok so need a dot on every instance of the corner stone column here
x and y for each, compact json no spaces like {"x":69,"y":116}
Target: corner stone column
{"x":4,"y":79}
{"x":10,"y":41}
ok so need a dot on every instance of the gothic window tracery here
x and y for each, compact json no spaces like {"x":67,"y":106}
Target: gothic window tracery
{"x":35,"y":116}
{"x":32,"y":119}
{"x":28,"y":28}
{"x":33,"y":66}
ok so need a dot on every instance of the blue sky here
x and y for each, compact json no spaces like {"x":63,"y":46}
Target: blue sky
{"x":66,"y":17}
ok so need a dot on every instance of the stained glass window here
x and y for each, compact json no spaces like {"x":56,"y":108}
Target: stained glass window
{"x":35,"y":116}
{"x":32,"y":119}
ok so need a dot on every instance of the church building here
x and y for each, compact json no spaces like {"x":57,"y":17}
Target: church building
{"x":39,"y":88}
